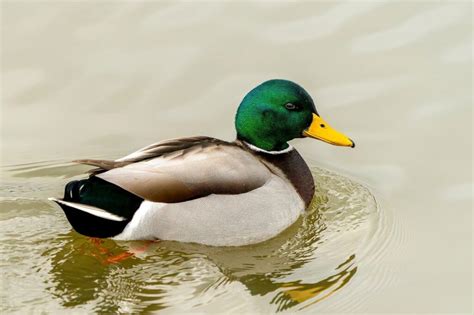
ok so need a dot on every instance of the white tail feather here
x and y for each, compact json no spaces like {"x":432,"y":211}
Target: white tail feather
{"x":90,"y":209}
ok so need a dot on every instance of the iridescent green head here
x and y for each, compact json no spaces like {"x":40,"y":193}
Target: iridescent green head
{"x":278,"y":111}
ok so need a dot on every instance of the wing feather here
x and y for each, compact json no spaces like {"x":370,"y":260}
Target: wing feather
{"x":173,"y":146}
{"x":182,"y":169}
{"x":192,"y":172}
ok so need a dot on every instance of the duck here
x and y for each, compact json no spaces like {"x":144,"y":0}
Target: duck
{"x":205,"y":190}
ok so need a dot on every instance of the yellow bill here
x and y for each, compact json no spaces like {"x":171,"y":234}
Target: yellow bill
{"x":319,"y":129}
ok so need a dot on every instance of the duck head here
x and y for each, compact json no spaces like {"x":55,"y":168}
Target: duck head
{"x":278,"y":111}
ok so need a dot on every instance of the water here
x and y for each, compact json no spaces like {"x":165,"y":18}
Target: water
{"x":306,"y":264}
{"x":389,"y":229}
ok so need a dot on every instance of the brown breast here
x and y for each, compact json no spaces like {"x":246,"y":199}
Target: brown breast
{"x":293,"y":167}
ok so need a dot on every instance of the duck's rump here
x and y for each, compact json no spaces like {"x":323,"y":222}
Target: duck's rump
{"x":97,"y":208}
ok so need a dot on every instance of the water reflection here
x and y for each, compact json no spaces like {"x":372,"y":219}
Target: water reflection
{"x":297,"y":292}
{"x":85,"y":269}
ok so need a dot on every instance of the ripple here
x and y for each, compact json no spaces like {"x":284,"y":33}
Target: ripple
{"x":306,"y":265}
{"x":53,"y":169}
{"x":411,"y":30}
{"x":316,"y":26}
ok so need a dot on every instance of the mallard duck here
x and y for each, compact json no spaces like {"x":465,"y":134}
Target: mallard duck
{"x":205,"y":190}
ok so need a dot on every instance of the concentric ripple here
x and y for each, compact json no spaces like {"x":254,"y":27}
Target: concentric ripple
{"x":310,"y":263}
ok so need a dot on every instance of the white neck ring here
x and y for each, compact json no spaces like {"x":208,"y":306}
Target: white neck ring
{"x":257,"y":149}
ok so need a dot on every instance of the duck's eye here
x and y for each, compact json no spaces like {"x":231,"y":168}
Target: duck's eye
{"x":290,"y":106}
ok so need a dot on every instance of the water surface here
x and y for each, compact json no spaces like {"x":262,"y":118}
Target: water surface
{"x":307,"y":263}
{"x":390,"y":227}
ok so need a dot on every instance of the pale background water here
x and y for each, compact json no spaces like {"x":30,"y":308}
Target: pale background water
{"x":100,"y":79}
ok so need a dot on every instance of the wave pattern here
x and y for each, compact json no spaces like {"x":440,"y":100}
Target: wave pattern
{"x":310,"y":262}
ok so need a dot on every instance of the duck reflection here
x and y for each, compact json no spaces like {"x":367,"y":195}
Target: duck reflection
{"x":296,"y":292}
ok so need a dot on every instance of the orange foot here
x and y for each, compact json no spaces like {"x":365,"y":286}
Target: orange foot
{"x":106,"y":257}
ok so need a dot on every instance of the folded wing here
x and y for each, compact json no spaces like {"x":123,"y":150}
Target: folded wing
{"x":184,"y":169}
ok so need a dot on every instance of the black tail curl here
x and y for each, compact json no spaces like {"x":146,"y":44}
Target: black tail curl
{"x":100,"y":194}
